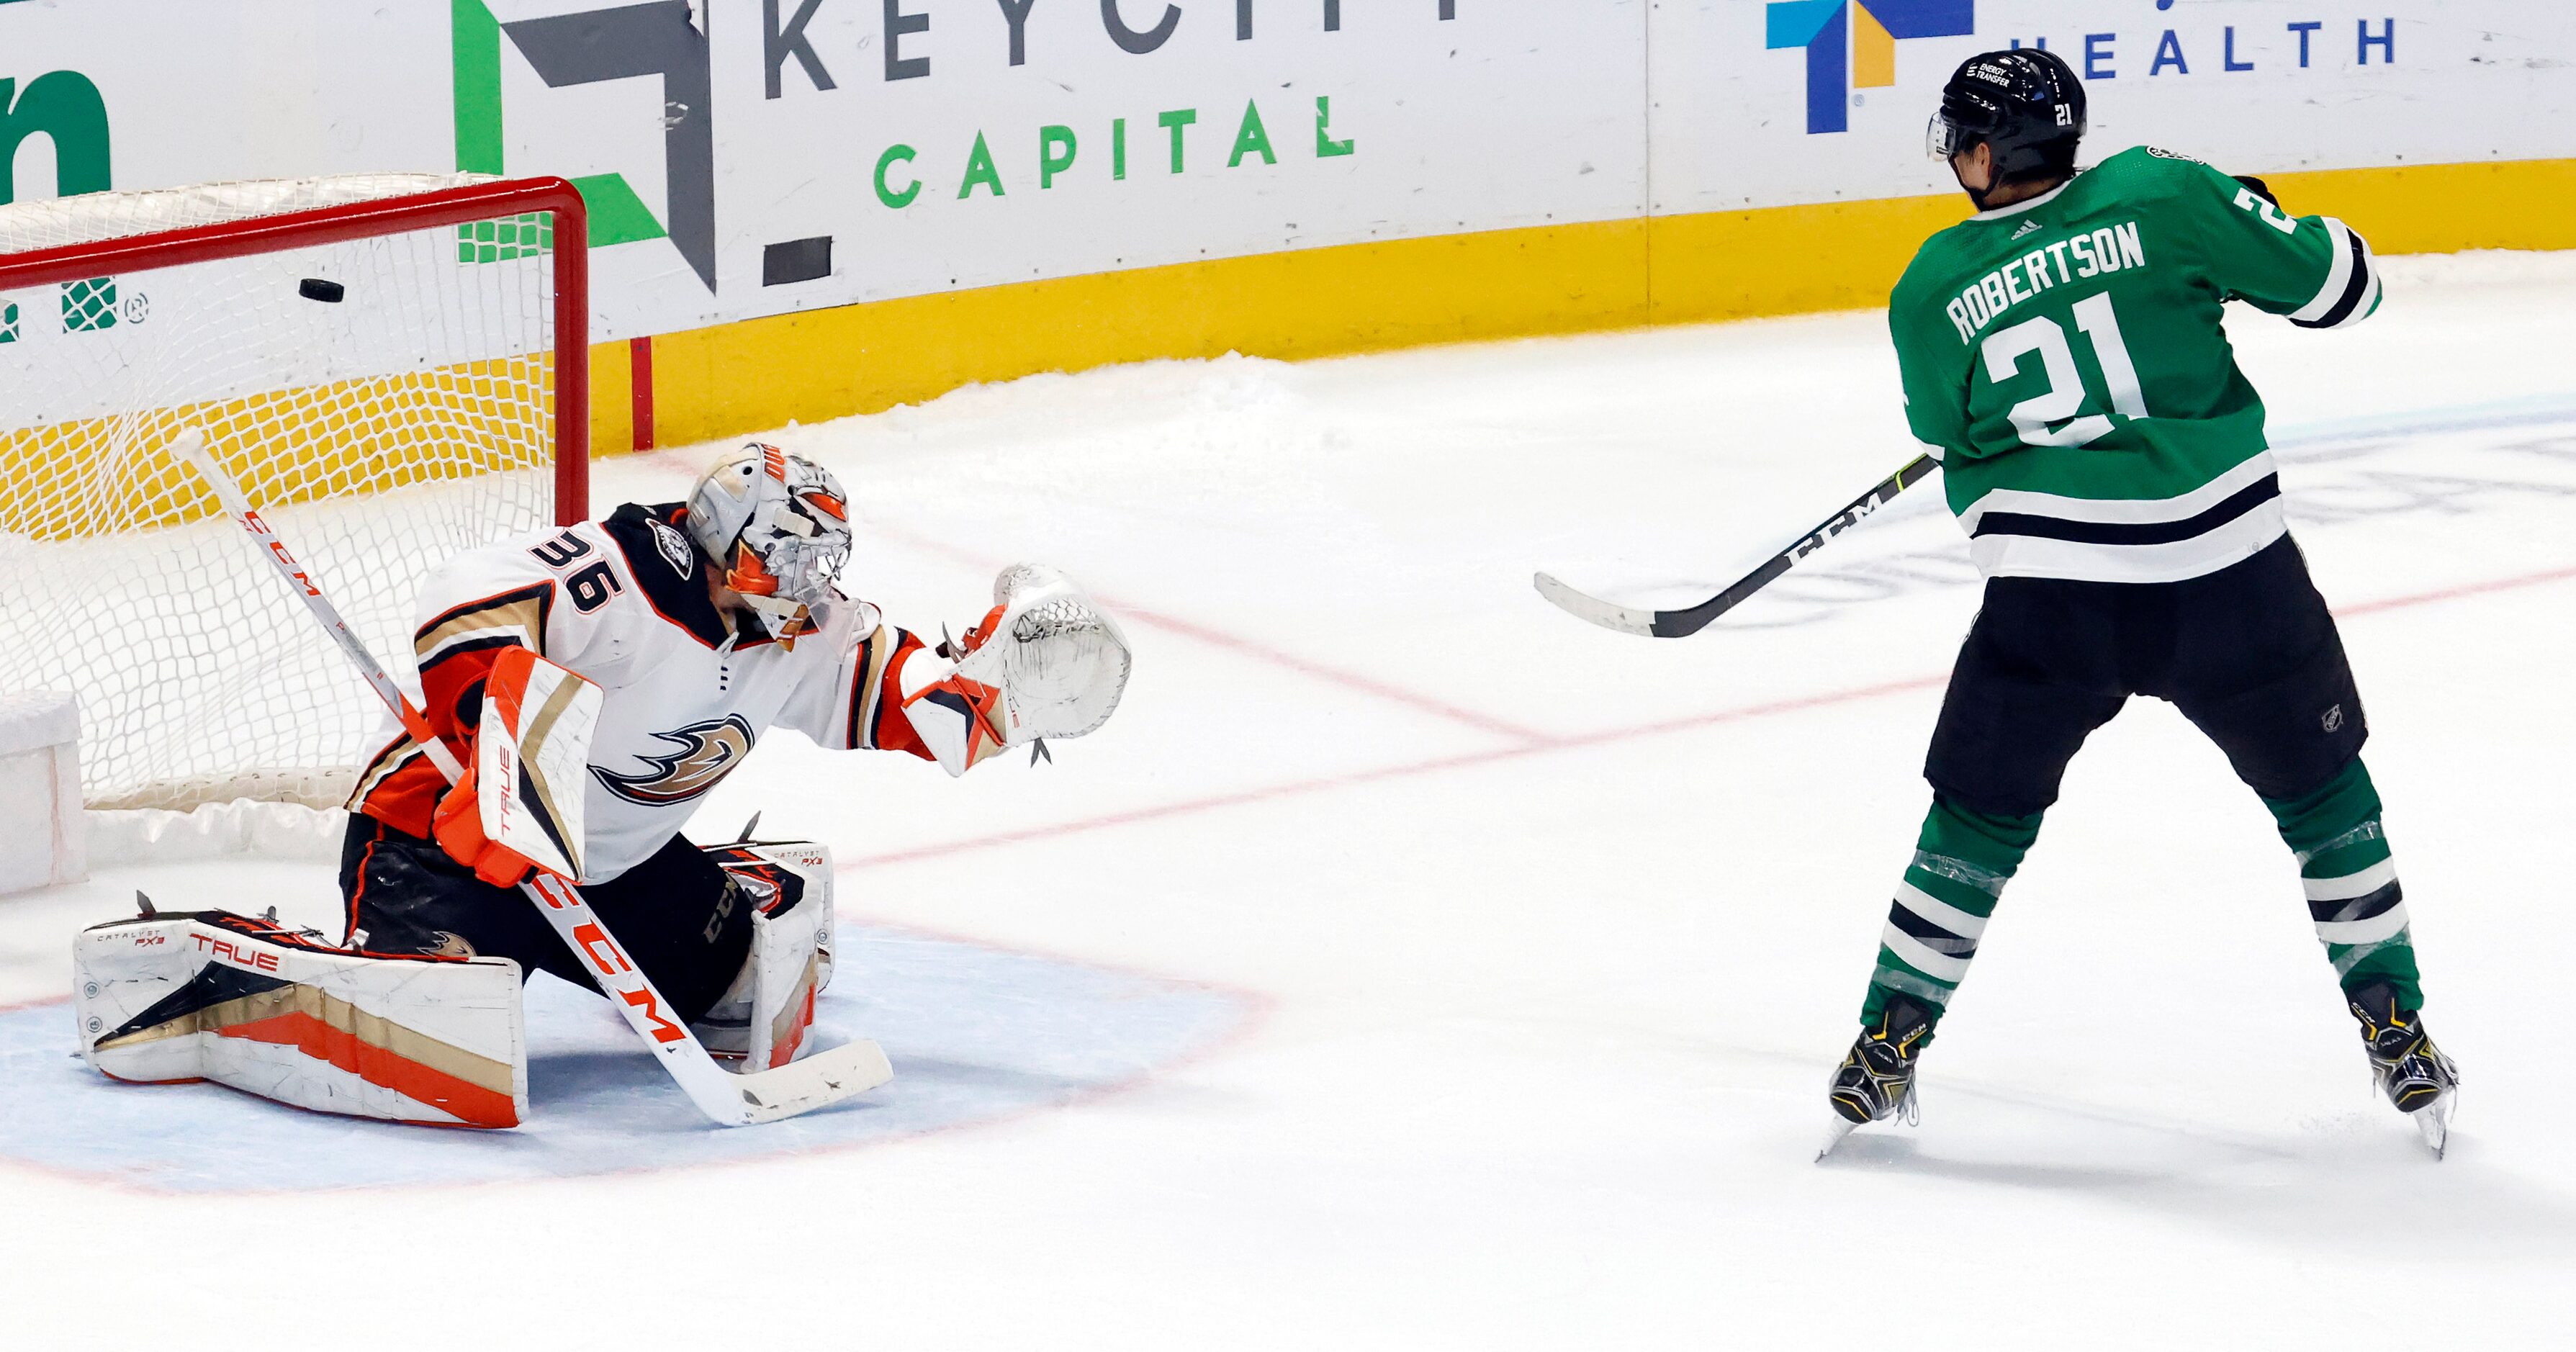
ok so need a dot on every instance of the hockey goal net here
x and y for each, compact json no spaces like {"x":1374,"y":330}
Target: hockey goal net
{"x":393,"y":366}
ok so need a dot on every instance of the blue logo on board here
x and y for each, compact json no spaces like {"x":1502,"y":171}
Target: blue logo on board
{"x":1851,"y":44}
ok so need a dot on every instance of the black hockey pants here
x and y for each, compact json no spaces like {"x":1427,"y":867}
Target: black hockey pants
{"x":684,"y":921}
{"x":2249,"y":654}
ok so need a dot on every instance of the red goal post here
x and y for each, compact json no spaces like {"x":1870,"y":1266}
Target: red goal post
{"x":417,"y":420}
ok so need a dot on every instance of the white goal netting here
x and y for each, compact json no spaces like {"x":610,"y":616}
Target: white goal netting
{"x":385,"y":402}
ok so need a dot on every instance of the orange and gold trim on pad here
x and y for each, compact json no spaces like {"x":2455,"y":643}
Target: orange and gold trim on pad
{"x":477,"y":1090}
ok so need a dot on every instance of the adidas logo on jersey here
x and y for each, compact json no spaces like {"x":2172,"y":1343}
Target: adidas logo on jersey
{"x":2027,"y":227}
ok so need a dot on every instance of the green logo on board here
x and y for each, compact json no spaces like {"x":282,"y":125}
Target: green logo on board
{"x":65,"y":107}
{"x":652,"y":39}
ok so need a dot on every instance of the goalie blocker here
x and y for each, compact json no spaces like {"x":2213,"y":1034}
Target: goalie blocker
{"x":432,"y":1037}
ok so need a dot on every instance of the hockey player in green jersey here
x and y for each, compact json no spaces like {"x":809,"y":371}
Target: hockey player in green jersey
{"x":2062,"y":354}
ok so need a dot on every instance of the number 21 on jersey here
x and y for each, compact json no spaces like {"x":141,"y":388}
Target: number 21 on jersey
{"x":2063,"y":400}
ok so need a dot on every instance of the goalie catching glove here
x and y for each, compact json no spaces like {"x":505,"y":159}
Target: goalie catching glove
{"x":1046,"y":661}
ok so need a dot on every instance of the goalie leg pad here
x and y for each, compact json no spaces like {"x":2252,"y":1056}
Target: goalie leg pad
{"x":787,"y":975}
{"x":210,"y":995}
{"x":771,"y":1001}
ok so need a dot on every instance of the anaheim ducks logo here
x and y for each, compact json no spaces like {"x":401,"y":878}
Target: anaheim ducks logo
{"x":707,"y":752}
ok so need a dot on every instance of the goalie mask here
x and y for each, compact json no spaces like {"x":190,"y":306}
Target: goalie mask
{"x":778,"y":529}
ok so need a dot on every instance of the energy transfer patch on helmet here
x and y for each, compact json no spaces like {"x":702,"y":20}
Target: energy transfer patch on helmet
{"x":2025,"y":103}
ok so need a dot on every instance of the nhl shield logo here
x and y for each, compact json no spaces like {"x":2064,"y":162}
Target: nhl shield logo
{"x":676,"y":549}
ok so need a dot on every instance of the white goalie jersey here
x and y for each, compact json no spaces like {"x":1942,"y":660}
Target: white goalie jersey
{"x":625,"y":603}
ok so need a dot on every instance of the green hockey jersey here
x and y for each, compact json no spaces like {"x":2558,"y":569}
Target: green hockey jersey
{"x":2064,"y":358}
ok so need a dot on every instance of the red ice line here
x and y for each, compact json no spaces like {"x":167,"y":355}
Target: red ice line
{"x":1332,"y":675}
{"x":1348,"y":680}
{"x":1474,"y":758}
{"x":2455,"y":593}
{"x":1533,"y":744}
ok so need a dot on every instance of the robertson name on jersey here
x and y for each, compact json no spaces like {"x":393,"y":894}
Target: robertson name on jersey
{"x":624,"y":602}
{"x":2065,"y":359}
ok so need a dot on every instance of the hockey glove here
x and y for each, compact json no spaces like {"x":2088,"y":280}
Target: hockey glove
{"x":1043,"y":662}
{"x":957,"y":718}
{"x":458,"y":827}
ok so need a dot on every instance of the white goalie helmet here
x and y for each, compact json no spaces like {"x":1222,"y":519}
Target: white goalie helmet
{"x":777,"y":527}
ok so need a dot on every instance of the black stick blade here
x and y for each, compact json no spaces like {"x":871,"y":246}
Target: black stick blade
{"x":1690,"y":620}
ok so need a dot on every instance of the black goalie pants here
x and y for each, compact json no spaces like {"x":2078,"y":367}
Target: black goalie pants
{"x":683,"y":920}
{"x":2249,"y":654}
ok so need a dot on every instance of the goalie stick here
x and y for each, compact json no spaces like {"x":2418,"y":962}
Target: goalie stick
{"x":1681,"y":623}
{"x":728,"y":1099}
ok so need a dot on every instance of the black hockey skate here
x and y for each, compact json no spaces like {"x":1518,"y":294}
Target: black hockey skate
{"x":2416,"y":1076}
{"x":1876,"y":1079}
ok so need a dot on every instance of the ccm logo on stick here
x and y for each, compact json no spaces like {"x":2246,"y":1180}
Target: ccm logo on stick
{"x":278,"y":547}
{"x":594,"y":941}
{"x":663,"y":1029}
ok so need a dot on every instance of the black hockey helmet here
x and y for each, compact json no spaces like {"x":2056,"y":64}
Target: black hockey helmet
{"x":2025,"y":103}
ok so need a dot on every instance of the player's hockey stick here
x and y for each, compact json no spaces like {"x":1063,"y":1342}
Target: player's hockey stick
{"x":1678,"y":623}
{"x":728,"y":1099}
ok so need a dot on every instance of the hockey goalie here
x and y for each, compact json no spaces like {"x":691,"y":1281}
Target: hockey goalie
{"x":643,"y":655}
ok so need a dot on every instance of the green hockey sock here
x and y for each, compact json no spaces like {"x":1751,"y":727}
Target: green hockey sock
{"x":2351,"y":881}
{"x":1961,"y":863}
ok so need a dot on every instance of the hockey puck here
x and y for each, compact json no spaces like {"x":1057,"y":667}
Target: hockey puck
{"x":315,"y":288}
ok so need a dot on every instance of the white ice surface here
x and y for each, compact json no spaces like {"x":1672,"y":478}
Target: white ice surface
{"x":1560,"y":930}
